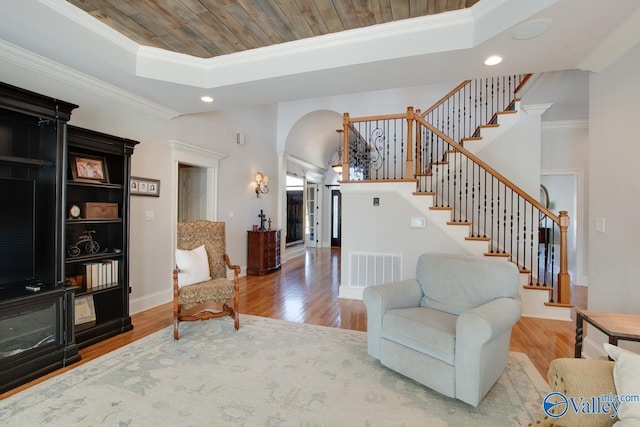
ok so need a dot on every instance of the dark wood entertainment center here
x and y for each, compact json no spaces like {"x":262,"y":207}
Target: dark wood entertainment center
{"x":49,"y":305}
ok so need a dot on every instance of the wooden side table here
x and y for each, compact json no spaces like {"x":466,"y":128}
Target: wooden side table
{"x":263,"y":251}
{"x":615,"y":326}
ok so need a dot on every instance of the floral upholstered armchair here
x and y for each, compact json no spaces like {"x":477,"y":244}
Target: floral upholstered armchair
{"x":201,"y":289}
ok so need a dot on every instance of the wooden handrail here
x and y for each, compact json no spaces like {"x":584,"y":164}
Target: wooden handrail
{"x":523,"y":82}
{"x":380,"y":117}
{"x":489,"y":169}
{"x":562,"y":220}
{"x":419,"y":118}
{"x":444,"y":98}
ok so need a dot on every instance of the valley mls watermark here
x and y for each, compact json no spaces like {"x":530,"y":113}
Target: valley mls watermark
{"x":556,"y":404}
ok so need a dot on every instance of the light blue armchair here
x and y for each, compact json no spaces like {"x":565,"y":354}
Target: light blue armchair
{"x":450,"y":327}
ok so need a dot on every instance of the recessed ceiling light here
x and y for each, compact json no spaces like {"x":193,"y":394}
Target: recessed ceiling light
{"x":493,"y":60}
{"x":207,"y":99}
{"x":531,"y":29}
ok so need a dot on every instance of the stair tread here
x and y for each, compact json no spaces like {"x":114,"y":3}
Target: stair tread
{"x":507,"y":112}
{"x":472,"y":138}
{"x":557,"y":304}
{"x":458,"y":223}
{"x":424,"y":193}
{"x":441,"y":208}
{"x":490,"y":125}
{"x":538,"y":287}
{"x":482,"y":239}
{"x":497,"y":254}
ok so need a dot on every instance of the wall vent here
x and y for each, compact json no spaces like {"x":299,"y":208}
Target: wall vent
{"x":368,"y":269}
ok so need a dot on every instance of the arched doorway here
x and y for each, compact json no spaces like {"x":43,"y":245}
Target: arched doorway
{"x":309,"y":146}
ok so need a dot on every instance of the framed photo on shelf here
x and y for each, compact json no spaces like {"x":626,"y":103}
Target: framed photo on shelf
{"x":85,"y":310}
{"x":88,"y":168}
{"x":144,"y":187}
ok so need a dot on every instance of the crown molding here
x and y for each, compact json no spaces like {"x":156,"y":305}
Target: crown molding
{"x":374,"y":43}
{"x":91,"y":23}
{"x":536,"y":109}
{"x":402,"y":28}
{"x":185,"y":147}
{"x":621,"y":40}
{"x":35,"y":63}
{"x":566,"y":124}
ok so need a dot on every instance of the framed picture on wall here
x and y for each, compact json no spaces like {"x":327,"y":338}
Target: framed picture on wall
{"x":144,"y":187}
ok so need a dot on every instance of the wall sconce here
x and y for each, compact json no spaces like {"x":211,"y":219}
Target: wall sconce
{"x":262,"y":184}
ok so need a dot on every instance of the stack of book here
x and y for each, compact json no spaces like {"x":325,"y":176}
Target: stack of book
{"x":103,"y":274}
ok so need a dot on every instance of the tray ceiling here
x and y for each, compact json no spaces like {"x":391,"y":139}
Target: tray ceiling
{"x":209,"y":28}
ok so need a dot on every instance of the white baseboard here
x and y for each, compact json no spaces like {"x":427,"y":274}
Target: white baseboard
{"x":230,"y":272}
{"x":136,"y":305}
{"x":593,"y":350}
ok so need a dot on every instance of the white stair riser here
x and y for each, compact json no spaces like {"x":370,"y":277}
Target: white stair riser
{"x":533,"y":300}
{"x":476,"y":247}
{"x":440,"y":217}
{"x":489,"y":134}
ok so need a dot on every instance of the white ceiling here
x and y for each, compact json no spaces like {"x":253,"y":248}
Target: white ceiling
{"x":449,"y":47}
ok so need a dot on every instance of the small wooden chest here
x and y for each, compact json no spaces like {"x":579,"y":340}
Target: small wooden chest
{"x":99,"y":210}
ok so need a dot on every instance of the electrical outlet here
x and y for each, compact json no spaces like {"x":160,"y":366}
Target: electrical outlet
{"x":418,"y":223}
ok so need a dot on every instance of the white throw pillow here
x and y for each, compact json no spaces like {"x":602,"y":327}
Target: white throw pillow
{"x":193,"y":266}
{"x":626,"y":377}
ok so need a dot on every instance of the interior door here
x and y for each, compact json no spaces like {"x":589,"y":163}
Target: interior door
{"x":295,"y":216}
{"x":336,"y":218}
{"x":311,"y":214}
{"x":192,"y":193}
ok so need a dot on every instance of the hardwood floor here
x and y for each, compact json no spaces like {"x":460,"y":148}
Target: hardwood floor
{"x":305,"y":290}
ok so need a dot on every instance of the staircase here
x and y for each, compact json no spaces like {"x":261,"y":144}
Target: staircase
{"x":432,"y":159}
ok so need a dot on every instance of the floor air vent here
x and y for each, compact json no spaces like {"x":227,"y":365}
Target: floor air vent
{"x":368,"y":269}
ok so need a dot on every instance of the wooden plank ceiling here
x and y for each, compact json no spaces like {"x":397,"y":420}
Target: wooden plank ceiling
{"x":208,"y":28}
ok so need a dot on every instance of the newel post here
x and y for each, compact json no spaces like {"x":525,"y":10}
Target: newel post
{"x":345,"y":147}
{"x":409,"y":166}
{"x":418,"y":148}
{"x":564,"y":280}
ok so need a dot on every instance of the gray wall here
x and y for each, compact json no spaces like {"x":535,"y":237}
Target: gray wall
{"x":614,"y":192}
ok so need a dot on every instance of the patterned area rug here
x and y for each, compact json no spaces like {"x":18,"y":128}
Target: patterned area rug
{"x":269,"y":373}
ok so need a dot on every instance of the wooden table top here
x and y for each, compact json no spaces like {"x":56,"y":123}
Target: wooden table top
{"x":615,"y":324}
